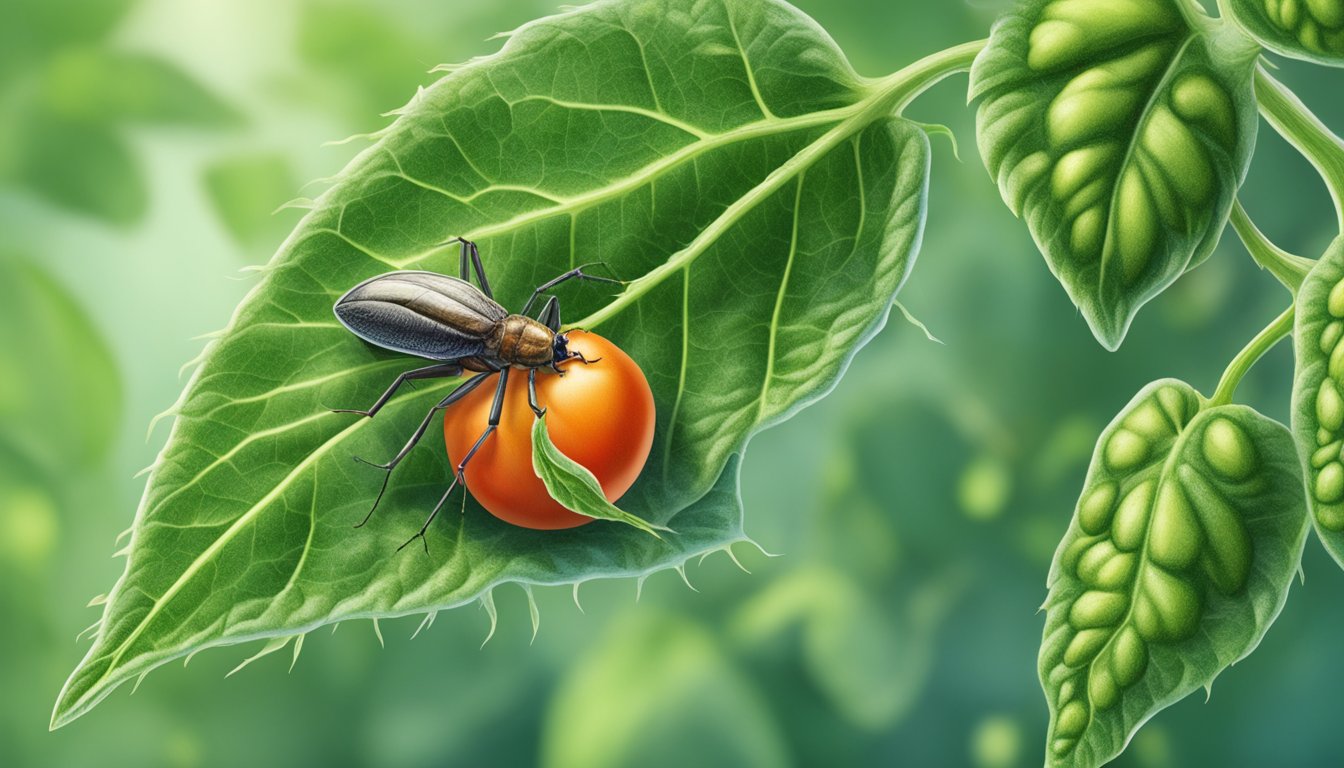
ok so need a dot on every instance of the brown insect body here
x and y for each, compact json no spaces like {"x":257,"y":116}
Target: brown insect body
{"x":446,"y":318}
{"x":460,"y":326}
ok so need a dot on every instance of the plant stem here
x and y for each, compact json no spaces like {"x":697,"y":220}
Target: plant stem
{"x":1296,"y":123}
{"x":904,"y":86}
{"x":1250,"y":354}
{"x":886,"y":97}
{"x":1288,"y":269}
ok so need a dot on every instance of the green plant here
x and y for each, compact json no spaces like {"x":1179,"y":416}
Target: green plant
{"x":726,"y":156}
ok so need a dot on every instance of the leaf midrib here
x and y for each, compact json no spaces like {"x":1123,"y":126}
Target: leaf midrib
{"x":1165,"y":473}
{"x":1145,"y":115}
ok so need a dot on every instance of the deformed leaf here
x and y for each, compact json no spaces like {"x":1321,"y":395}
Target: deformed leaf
{"x":1120,"y":131}
{"x":1312,"y":30}
{"x":573,"y":486}
{"x":761,"y":198}
{"x":1186,"y":538}
{"x":1318,"y":394}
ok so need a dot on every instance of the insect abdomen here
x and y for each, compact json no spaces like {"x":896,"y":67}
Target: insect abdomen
{"x":423,"y":314}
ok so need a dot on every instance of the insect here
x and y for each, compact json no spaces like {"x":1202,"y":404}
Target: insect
{"x":462,"y":328}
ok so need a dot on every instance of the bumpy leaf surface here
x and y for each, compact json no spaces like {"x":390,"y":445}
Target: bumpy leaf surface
{"x":723,"y":156}
{"x":1318,"y":394}
{"x":1312,"y":30}
{"x":1120,"y":130}
{"x":1179,"y":557}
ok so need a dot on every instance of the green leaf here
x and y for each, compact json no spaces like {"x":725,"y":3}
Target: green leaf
{"x":1318,"y":394}
{"x":361,"y":45}
{"x":34,"y":28}
{"x":573,"y":486}
{"x":1311,"y":30}
{"x":1186,"y":537}
{"x":84,"y":167}
{"x":60,"y":391}
{"x":97,"y":84}
{"x":650,"y":685}
{"x":1120,"y":130}
{"x":762,"y":199}
{"x":246,"y":190}
{"x":870,"y":657}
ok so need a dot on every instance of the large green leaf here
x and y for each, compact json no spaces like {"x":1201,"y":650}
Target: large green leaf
{"x":60,"y":391}
{"x":724,"y":157}
{"x":1120,"y":130}
{"x":1186,"y":537}
{"x":1312,"y":30}
{"x":1318,"y":394}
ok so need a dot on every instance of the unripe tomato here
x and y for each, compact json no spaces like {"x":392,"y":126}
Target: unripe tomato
{"x":599,"y":414}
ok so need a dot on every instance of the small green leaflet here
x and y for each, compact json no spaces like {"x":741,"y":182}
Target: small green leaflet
{"x":1185,"y":540}
{"x":573,"y":486}
{"x":1120,"y":131}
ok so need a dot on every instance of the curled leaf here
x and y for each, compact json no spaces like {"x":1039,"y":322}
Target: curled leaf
{"x":571,"y":484}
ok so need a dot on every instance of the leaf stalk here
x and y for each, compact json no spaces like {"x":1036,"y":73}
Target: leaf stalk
{"x":1264,"y":341}
{"x":1287,"y":269}
{"x":1305,"y":131}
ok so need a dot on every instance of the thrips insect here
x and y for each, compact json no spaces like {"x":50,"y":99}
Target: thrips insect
{"x":449,"y":320}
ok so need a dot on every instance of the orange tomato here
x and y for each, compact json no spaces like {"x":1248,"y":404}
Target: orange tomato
{"x":600,"y":415}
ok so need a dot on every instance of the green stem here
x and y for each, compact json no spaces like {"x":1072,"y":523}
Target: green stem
{"x":902,"y":87}
{"x":1288,"y":269}
{"x":1296,"y":123}
{"x":886,"y":97}
{"x":1248,"y":356}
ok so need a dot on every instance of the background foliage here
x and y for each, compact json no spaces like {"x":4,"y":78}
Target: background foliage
{"x":917,"y":507}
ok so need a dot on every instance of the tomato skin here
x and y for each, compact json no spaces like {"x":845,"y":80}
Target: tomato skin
{"x":601,"y":415}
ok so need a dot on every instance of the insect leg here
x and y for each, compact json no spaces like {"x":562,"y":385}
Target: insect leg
{"x":550,"y":313}
{"x":480,"y":270}
{"x":573,"y":274}
{"x":532,"y":394}
{"x":440,"y":371}
{"x":464,"y":263}
{"x":454,"y":396}
{"x":496,"y":408}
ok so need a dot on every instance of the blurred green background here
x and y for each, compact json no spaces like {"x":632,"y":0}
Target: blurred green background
{"x":143,"y":148}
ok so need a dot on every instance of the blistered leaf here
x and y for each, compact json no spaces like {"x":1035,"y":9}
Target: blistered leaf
{"x":1312,"y":30}
{"x":1120,"y":131}
{"x":1318,"y":394}
{"x":723,"y":157}
{"x":1186,"y":537}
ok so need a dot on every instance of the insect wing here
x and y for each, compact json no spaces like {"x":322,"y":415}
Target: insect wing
{"x":420,"y":313}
